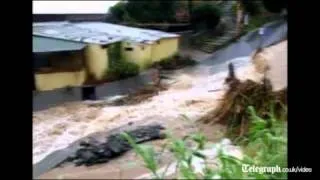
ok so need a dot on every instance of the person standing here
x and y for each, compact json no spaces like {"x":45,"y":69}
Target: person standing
{"x":261,"y":37}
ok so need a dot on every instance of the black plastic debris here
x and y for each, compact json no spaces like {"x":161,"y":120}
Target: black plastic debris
{"x":93,"y":152}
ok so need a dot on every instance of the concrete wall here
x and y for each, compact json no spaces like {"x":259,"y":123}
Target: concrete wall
{"x":146,"y":54}
{"x":140,"y":53}
{"x":46,"y":99}
{"x":96,"y":58}
{"x":96,"y":61}
{"x":65,"y":70}
{"x":50,"y":81}
{"x":185,"y":39}
{"x":164,"y":48}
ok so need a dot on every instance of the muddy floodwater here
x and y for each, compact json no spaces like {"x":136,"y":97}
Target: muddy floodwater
{"x":57,"y":127}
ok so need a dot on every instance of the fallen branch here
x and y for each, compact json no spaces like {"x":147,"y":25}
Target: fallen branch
{"x":232,"y":110}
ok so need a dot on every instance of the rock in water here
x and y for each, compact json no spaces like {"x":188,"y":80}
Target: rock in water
{"x":94,"y":152}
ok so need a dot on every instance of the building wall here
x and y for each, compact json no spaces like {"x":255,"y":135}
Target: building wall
{"x":96,"y":63}
{"x":60,"y":70}
{"x":164,"y":48}
{"x":146,"y":54}
{"x":140,"y":53}
{"x":55,"y":80}
{"x":96,"y":58}
{"x":46,"y":99}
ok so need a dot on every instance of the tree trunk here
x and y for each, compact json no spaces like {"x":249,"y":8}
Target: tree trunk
{"x":190,"y":8}
{"x":240,"y":17}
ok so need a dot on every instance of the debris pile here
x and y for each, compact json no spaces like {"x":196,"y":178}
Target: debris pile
{"x":232,"y":109}
{"x":139,"y":96}
{"x":133,"y":98}
{"x":93,"y":152}
{"x":175,"y":62}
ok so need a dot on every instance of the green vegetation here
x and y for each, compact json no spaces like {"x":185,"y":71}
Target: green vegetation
{"x":114,"y":52}
{"x":147,"y":153}
{"x":234,"y":8}
{"x":122,"y":69}
{"x":256,"y":120}
{"x":265,"y":147}
{"x":119,"y":11}
{"x":175,"y":62}
{"x":118,"y":67}
{"x":255,"y":22}
{"x":144,"y":11}
{"x":205,"y":15}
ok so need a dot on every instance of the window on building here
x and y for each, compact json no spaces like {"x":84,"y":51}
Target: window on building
{"x":104,"y":46}
{"x":128,"y":49}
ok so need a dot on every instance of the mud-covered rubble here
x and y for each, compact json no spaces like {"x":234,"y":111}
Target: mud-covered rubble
{"x":93,"y":152}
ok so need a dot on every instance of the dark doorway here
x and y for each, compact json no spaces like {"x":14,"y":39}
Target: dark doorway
{"x":33,"y":82}
{"x":89,"y":93}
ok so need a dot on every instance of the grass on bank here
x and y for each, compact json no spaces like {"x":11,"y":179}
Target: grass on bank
{"x":265,"y":145}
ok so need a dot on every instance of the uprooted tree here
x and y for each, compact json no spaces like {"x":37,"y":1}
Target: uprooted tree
{"x":232,"y":109}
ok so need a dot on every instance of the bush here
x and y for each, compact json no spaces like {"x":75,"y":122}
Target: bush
{"x":119,"y":68}
{"x":122,"y":69}
{"x":175,"y":62}
{"x":255,"y":22}
{"x":206,"y":14}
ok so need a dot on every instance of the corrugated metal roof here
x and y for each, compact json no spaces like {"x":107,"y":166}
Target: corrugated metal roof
{"x":44,"y":44}
{"x":98,"y":32}
{"x":68,"y":31}
{"x":129,"y":33}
